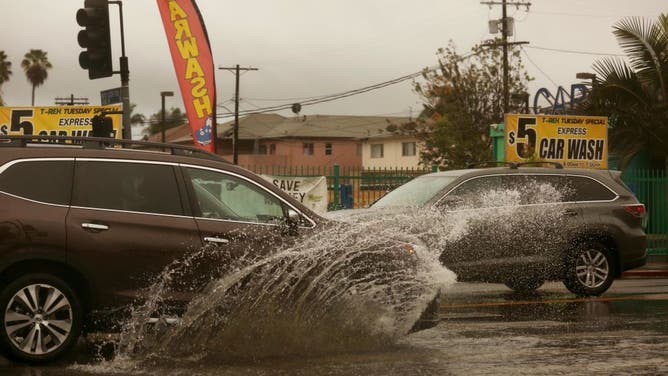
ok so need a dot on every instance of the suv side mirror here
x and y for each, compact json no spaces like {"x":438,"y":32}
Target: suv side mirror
{"x":293,"y":216}
{"x":291,"y":223}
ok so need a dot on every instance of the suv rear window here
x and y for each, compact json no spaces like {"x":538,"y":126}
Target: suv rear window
{"x":44,"y":181}
{"x":138,"y":187}
{"x":587,"y":189}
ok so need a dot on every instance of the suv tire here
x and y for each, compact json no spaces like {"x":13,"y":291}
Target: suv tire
{"x":589,"y":269}
{"x":41,"y":318}
{"x":525,"y":284}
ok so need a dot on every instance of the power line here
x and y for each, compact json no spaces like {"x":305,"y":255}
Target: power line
{"x":538,"y":67}
{"x":323,"y":99}
{"x":575,"y":52}
{"x":307,"y":101}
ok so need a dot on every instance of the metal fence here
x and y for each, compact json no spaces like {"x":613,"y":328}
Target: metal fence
{"x":651,"y":188}
{"x":350,"y":187}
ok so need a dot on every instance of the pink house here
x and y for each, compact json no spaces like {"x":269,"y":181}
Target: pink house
{"x":308,"y":141}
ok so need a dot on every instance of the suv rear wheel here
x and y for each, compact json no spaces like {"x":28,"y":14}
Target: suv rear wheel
{"x":41,"y":318}
{"x":589,"y":270}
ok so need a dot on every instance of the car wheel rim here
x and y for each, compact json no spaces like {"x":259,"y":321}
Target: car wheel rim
{"x":38,"y":319}
{"x":592,"y":268}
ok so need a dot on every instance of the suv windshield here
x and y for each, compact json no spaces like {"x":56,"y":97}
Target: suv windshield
{"x":416,"y":192}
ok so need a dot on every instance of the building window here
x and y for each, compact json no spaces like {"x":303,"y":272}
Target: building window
{"x":376,"y":150}
{"x":328,"y":149}
{"x":262,"y":149}
{"x":308,"y":148}
{"x":408,"y":149}
{"x":272,"y":149}
{"x":359,"y":150}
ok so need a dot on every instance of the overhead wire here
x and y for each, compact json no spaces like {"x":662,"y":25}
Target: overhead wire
{"x":574,"y":51}
{"x":537,"y":66}
{"x":331,"y":97}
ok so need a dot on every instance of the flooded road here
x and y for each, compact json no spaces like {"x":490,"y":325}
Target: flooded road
{"x":485,"y":329}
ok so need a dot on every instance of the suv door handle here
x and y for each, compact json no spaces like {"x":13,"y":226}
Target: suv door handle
{"x":570,"y":212}
{"x":213,"y":239}
{"x":95,"y":226}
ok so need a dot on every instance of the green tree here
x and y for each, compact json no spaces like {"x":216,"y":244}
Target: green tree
{"x":462,"y":98}
{"x":136,"y":119}
{"x":36,"y":65}
{"x":5,"y":72}
{"x":173,"y":118}
{"x":634,"y":95}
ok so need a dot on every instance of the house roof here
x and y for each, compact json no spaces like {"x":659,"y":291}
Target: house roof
{"x":269,"y":126}
{"x":173,"y":133}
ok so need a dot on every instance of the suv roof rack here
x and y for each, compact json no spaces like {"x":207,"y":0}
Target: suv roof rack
{"x":103,"y":142}
{"x":478,"y":164}
{"x":557,"y":165}
{"x":514,"y":165}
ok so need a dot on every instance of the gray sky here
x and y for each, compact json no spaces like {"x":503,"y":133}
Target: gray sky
{"x":306,"y":48}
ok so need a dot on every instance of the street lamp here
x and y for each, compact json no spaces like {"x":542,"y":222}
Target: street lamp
{"x":164,"y":94}
{"x":586,"y":76}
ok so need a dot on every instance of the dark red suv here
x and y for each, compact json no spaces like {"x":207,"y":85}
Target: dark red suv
{"x":85,"y":227}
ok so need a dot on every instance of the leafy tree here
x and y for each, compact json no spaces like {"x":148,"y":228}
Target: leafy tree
{"x":462,"y":98}
{"x":5,"y":72}
{"x":634,"y":95}
{"x":136,"y":118}
{"x":36,"y":65}
{"x":173,"y":118}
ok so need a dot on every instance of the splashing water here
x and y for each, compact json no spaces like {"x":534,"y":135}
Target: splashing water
{"x":351,"y":286}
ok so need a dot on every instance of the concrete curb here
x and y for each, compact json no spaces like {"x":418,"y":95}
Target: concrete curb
{"x":646,"y":273}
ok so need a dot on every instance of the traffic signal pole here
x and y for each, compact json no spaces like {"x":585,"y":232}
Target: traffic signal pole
{"x":125,"y":78}
{"x":96,"y":39}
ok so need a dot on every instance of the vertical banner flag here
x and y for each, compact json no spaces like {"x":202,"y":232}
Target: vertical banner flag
{"x":193,"y":63}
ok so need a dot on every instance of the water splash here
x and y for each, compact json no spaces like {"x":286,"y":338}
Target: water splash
{"x":351,"y":286}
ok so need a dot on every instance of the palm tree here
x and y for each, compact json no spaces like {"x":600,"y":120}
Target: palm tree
{"x":36,"y":64}
{"x":5,"y":72}
{"x":633,"y":95}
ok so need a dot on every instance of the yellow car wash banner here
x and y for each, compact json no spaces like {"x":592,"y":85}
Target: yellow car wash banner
{"x":574,"y":141}
{"x":72,"y":121}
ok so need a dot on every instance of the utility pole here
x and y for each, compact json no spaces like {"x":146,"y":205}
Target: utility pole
{"x":504,"y":36}
{"x":235,"y":138}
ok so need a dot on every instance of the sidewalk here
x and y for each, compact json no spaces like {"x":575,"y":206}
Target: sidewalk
{"x":656,"y":267}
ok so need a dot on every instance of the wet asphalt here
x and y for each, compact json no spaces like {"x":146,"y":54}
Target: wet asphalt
{"x":485,"y":329}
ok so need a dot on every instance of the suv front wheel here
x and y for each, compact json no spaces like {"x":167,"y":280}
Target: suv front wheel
{"x":41,"y":318}
{"x":589,"y":270}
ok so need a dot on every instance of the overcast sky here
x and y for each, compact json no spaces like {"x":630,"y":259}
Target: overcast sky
{"x":307,"y":48}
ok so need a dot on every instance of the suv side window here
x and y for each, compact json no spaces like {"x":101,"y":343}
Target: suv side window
{"x":137,"y":187}
{"x":471,"y":193}
{"x":587,"y":189}
{"x":224,"y":196}
{"x":544,"y":189}
{"x":502,"y":190}
{"x":45,"y":181}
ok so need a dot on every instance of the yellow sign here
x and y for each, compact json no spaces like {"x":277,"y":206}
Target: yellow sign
{"x":574,"y":141}
{"x":55,"y":121}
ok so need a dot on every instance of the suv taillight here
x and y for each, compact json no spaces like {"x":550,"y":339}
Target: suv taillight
{"x":637,"y":210}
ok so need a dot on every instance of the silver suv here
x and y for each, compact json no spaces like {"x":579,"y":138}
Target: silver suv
{"x":583,"y":227}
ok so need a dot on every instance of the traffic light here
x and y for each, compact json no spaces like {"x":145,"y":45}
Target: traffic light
{"x":95,"y":38}
{"x":102,"y":126}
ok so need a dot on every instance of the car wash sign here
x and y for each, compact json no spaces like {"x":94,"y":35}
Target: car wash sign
{"x":573,"y":141}
{"x":74,"y":121}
